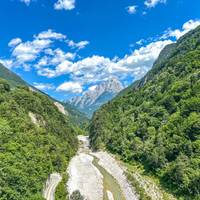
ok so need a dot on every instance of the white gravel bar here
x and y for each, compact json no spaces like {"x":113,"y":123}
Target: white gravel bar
{"x":83,"y":175}
{"x":86,"y":178}
{"x":111,"y":165}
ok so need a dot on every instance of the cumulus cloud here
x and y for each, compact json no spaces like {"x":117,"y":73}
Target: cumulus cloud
{"x":153,"y":3}
{"x":177,"y":33}
{"x":25,"y":53}
{"x":28,"y":51}
{"x":140,"y":42}
{"x":52,"y":62}
{"x":73,"y":87}
{"x":142,"y":59}
{"x":131,"y":9}
{"x":97,"y":68}
{"x":87,"y":69}
{"x":64,"y":4}
{"x":43,"y":86}
{"x":54,"y":57}
{"x":14,"y":42}
{"x":7,"y":63}
{"x":50,"y":34}
{"x":78,"y":45}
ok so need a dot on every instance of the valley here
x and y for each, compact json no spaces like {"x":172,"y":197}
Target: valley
{"x":74,"y":132}
{"x":97,"y":172}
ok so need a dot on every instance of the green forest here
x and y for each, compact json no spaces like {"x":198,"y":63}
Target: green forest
{"x":29,"y":151}
{"x":156,"y":121}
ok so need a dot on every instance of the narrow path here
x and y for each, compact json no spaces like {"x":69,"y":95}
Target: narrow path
{"x":51,"y":185}
{"x":95,"y":181}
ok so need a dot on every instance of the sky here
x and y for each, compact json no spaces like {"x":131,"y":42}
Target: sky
{"x":67,"y":47}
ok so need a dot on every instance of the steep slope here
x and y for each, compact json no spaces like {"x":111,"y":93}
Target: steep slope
{"x":13,"y":79}
{"x":156,"y":121}
{"x":36,"y":138}
{"x":97,"y":96}
{"x":75,"y":116}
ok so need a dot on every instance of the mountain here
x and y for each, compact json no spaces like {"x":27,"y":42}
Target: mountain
{"x":13,"y":79}
{"x":97,"y":96}
{"x":75,"y":116}
{"x":37,"y":138}
{"x":156,"y":121}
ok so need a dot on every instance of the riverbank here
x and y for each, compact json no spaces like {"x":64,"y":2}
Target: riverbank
{"x":95,"y":180}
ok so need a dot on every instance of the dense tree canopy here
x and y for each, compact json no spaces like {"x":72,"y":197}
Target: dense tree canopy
{"x":29,"y":151}
{"x":157,"y":120}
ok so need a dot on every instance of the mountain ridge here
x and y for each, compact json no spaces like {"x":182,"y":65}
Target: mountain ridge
{"x":36,"y":139}
{"x":156,"y":120}
{"x":97,"y":95}
{"x":76,"y":117}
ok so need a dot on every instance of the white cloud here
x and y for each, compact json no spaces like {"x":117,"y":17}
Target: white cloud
{"x":153,"y":3}
{"x":55,"y":57}
{"x":53,"y":62}
{"x":92,"y":88}
{"x":50,"y":34}
{"x":27,"y":2}
{"x":43,"y":86}
{"x":65,"y":4}
{"x":97,"y":68}
{"x":28,"y":51}
{"x":141,"y":60}
{"x":7,"y":63}
{"x":64,"y":68}
{"x":24,"y":53}
{"x":14,"y":42}
{"x":131,"y":9}
{"x":191,"y":24}
{"x":140,"y":42}
{"x":60,"y":56}
{"x":86,"y":68}
{"x":78,"y":45}
{"x":177,"y":33}
{"x":72,"y":87}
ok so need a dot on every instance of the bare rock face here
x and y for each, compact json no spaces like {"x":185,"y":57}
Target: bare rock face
{"x":61,"y":108}
{"x":37,"y":120}
{"x":33,"y":118}
{"x":97,"y":95}
{"x":32,"y":89}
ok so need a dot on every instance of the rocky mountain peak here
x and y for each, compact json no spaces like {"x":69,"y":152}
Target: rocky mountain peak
{"x":97,"y":95}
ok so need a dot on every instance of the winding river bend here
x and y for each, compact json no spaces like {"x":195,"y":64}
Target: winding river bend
{"x":97,"y":176}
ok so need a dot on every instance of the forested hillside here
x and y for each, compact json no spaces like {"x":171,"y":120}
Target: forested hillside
{"x":14,"y":80}
{"x":156,"y":121}
{"x":35,"y":140}
{"x":75,"y":116}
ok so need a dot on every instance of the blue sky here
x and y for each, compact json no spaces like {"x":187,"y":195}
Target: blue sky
{"x":64,"y":47}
